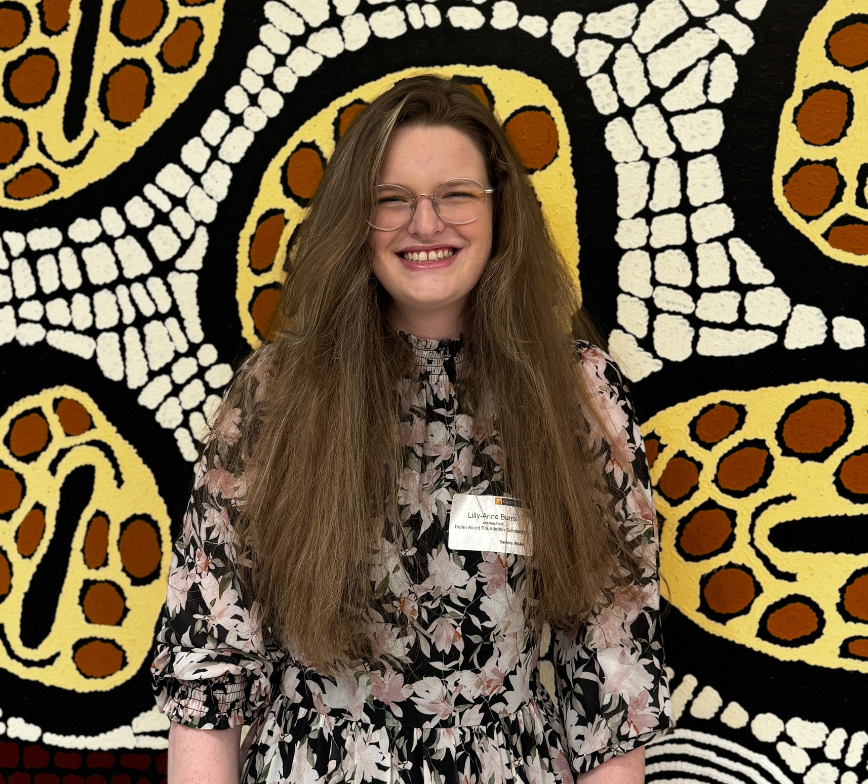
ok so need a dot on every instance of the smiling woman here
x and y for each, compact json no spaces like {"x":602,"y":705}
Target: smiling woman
{"x":348,"y":582}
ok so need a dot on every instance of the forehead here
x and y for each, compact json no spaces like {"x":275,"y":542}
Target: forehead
{"x":425,"y":156}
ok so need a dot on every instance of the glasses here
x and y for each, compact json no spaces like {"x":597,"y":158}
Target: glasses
{"x":456,"y":201}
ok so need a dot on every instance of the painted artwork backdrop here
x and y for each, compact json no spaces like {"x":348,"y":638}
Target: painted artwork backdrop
{"x":704,"y":166}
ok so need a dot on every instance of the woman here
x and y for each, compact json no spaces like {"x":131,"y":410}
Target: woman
{"x":335,"y":586}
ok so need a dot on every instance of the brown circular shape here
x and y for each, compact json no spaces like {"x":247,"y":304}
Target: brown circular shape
{"x":126,"y":93}
{"x":11,"y":140}
{"x":104,"y":604}
{"x":179,"y":49}
{"x":811,"y":189}
{"x":30,"y":532}
{"x":266,"y":240}
{"x":534,"y":136}
{"x":851,"y":239}
{"x":13,"y":27}
{"x":303,"y":172}
{"x":73,"y":417}
{"x":792,"y":621}
{"x":345,"y":120}
{"x":716,"y":423}
{"x":856,"y":598}
{"x":679,"y":477}
{"x":55,"y":14}
{"x":32,"y":80}
{"x":849,"y":46}
{"x":96,"y":542}
{"x":823,"y":115}
{"x":742,"y":469}
{"x":729,"y":591}
{"x":11,"y":491}
{"x":858,"y":648}
{"x":29,"y":183}
{"x":99,"y":659}
{"x":5,"y":574}
{"x":140,"y":19}
{"x":139,"y":546}
{"x":705,"y":532}
{"x":29,"y":435}
{"x":853,"y":474}
{"x":263,"y":309}
{"x":652,"y":450}
{"x":816,"y":426}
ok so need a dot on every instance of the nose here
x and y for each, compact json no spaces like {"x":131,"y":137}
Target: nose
{"x":425,"y":221}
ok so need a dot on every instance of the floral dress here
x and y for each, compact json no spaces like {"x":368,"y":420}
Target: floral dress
{"x":459,"y":696}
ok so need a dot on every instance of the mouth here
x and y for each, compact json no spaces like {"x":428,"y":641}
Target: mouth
{"x":434,"y":254}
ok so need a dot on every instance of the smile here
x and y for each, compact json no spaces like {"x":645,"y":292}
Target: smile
{"x":431,"y":255}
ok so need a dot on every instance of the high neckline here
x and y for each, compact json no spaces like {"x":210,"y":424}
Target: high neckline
{"x":434,"y":356}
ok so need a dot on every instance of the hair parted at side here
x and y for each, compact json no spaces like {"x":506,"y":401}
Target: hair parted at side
{"x":316,"y":413}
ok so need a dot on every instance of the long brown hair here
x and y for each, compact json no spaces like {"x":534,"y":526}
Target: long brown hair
{"x":319,"y":443}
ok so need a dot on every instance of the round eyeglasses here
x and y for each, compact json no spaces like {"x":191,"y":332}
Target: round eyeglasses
{"x":456,"y":201}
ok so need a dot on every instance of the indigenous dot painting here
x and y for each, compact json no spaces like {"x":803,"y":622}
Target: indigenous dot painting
{"x":702,"y":167}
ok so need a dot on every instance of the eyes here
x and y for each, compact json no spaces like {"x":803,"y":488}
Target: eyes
{"x":405,"y":198}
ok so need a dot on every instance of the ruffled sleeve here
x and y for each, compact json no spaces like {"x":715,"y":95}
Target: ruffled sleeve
{"x":613,"y":692}
{"x":212,"y":668}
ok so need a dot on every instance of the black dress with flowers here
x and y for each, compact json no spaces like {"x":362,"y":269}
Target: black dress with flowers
{"x":459,"y":695}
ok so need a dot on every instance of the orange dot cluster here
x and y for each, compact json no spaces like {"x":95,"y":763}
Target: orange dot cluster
{"x":125,"y":92}
{"x":138,"y":544}
{"x":822,"y":119}
{"x":813,"y":428}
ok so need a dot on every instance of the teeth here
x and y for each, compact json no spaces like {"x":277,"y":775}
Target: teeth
{"x":431,"y":255}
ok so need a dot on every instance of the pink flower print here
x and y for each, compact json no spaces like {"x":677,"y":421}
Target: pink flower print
{"x":218,"y":480}
{"x":431,"y":698}
{"x":227,"y":427}
{"x":437,"y":443}
{"x":492,"y":680}
{"x":217,"y":519}
{"x":493,"y":571}
{"x":390,"y":689}
{"x":415,"y":493}
{"x":443,"y":389}
{"x":640,"y":716}
{"x":409,"y":607}
{"x":625,"y":674}
{"x":561,"y":766}
{"x":607,"y":628}
{"x":203,"y":562}
{"x":444,"y":573}
{"x":464,"y":426}
{"x":413,"y":434}
{"x":444,"y":633}
{"x":463,"y":468}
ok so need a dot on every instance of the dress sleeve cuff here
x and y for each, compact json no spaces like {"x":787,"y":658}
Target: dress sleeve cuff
{"x":213,"y":704}
{"x":584,"y":762}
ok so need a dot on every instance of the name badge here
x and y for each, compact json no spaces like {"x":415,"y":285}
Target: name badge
{"x":487,"y":523}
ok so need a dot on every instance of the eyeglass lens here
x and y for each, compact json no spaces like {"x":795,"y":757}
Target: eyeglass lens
{"x":455,"y":201}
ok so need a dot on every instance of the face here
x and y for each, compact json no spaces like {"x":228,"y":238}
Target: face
{"x":430,"y":296}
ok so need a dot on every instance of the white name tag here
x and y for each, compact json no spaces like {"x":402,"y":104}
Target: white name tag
{"x":487,"y":523}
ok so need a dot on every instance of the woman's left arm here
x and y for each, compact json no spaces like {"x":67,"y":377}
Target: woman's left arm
{"x":612,"y":687}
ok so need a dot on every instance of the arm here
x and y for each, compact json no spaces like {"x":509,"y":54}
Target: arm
{"x":203,"y":755}
{"x":626,"y":769}
{"x":612,"y":687}
{"x":212,"y":668}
